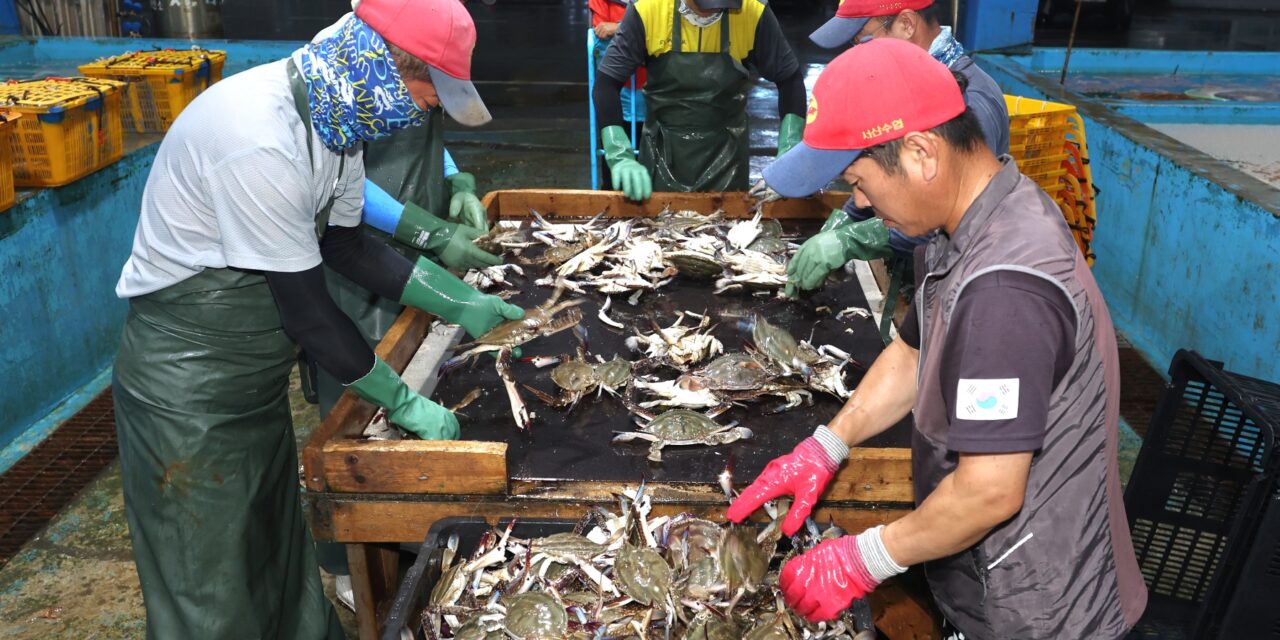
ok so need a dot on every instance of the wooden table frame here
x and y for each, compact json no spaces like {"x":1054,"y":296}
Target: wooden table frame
{"x":373,"y":495}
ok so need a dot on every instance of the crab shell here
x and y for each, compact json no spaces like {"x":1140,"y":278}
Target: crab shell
{"x":743,"y":561}
{"x":643,"y":575}
{"x":575,"y":375}
{"x":535,"y":615}
{"x":614,"y":374}
{"x":693,"y":264}
{"x":729,"y":372}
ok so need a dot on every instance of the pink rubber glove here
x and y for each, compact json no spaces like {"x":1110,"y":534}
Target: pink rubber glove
{"x":821,"y":583}
{"x":804,"y":473}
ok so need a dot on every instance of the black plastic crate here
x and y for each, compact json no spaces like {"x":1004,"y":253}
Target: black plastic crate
{"x":1204,"y":506}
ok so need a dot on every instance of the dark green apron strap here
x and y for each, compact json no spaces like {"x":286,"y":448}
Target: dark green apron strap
{"x":675,"y":28}
{"x":299,"y":89}
{"x":897,"y":271}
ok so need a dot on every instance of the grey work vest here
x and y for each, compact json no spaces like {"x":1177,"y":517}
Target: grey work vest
{"x":1064,"y":566}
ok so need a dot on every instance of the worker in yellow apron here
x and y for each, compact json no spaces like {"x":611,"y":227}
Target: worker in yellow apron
{"x":698,"y":54}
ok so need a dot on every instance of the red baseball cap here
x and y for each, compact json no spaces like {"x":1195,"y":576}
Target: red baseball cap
{"x":440,"y":33}
{"x":852,"y":15}
{"x":869,"y":95}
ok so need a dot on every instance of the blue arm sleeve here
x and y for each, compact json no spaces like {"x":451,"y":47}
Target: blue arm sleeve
{"x":450,"y":167}
{"x":381,"y":211}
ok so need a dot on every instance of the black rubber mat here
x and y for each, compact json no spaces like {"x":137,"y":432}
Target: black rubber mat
{"x":577,"y":445}
{"x":54,"y":472}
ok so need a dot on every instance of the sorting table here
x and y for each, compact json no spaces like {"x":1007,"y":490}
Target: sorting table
{"x":374,"y":495}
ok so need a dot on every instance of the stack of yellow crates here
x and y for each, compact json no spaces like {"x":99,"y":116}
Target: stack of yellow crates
{"x":70,"y":128}
{"x":161,"y":83}
{"x":8,"y":127}
{"x":1047,"y":140}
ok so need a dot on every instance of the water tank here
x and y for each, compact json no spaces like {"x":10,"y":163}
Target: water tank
{"x":188,"y":18}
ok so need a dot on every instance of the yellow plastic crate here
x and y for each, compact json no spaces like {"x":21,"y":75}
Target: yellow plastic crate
{"x":8,"y":124}
{"x":1047,"y":141}
{"x":162,"y":83}
{"x":71,"y":128}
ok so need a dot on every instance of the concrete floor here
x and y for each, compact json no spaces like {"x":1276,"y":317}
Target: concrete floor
{"x":77,"y":580}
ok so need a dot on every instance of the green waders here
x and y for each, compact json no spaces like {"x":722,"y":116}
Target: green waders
{"x":695,"y":134}
{"x":208,"y":459}
{"x":409,"y":165}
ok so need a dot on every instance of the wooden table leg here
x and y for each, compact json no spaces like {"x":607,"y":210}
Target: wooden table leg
{"x":374,"y":576}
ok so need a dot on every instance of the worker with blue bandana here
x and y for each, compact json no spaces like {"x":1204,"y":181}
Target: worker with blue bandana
{"x":697,"y":53}
{"x":852,"y":233}
{"x":258,"y":185}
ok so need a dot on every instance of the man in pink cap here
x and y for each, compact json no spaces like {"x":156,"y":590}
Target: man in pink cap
{"x":257,"y":187}
{"x":1006,"y":360}
{"x":854,"y":234}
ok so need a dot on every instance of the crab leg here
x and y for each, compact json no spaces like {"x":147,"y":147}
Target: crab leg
{"x":604,"y":315}
{"x":518,"y":410}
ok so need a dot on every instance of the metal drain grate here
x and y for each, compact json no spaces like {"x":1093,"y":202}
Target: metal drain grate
{"x":45,"y":480}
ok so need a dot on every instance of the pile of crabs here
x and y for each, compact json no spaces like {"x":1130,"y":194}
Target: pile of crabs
{"x":625,"y":575}
{"x":682,"y":376}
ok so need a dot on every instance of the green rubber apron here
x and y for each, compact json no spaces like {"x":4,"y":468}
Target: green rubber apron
{"x":209,"y":463}
{"x":695,"y":134}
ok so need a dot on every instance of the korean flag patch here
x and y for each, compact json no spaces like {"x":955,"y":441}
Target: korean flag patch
{"x":992,"y":399}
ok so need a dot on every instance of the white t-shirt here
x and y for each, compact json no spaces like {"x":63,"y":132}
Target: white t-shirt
{"x":232,"y":186}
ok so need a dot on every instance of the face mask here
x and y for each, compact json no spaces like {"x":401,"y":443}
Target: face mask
{"x":353,"y":88}
{"x":945,"y":48}
{"x":697,"y":20}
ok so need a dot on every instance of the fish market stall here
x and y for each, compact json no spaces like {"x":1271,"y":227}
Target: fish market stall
{"x":685,"y":376}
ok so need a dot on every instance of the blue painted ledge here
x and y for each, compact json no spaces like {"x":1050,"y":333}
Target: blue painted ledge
{"x":1188,"y":247}
{"x":61,"y":251}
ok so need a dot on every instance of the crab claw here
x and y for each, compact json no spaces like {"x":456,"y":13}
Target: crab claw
{"x":726,"y":478}
{"x":451,"y":365}
{"x":518,"y":409}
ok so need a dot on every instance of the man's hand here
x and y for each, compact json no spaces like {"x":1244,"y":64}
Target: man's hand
{"x":822,"y":582}
{"x":830,"y":249}
{"x":804,"y":473}
{"x":464,"y":205}
{"x":605,"y":30}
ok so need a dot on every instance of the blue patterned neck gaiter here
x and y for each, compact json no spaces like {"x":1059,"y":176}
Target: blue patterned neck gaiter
{"x":945,"y":48}
{"x":353,"y":88}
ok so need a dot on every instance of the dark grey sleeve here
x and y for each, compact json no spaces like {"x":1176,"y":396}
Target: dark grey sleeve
{"x":1010,"y":342}
{"x":627,"y":51}
{"x":772,"y":56}
{"x":985,"y":98}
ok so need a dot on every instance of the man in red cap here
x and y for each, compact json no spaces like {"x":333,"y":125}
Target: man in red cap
{"x":1007,"y":361}
{"x":853,"y":234}
{"x":255,"y":189}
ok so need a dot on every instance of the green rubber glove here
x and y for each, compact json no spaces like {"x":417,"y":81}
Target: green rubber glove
{"x":452,"y":243}
{"x":437,"y":291}
{"x":629,"y":176}
{"x":406,"y":408}
{"x":837,"y":218}
{"x":790,"y":131}
{"x":830,"y":249}
{"x":465,"y":203}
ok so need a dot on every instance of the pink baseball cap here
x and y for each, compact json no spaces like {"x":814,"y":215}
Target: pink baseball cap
{"x":852,"y":15}
{"x":440,"y":33}
{"x":912,"y":92}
